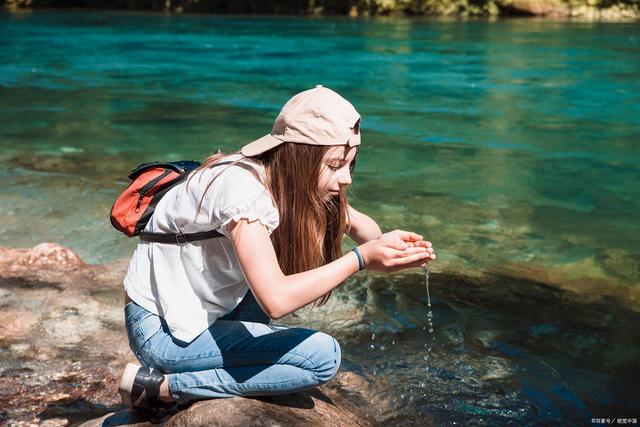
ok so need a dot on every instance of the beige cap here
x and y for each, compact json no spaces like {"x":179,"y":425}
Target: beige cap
{"x":317,"y":116}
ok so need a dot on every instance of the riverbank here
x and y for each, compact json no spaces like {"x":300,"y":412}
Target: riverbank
{"x":593,"y":10}
{"x":64,"y":345}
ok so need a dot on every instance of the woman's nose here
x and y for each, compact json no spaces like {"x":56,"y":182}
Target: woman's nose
{"x":345,"y":178}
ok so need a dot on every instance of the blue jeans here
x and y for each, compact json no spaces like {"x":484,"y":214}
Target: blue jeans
{"x":241,"y":354}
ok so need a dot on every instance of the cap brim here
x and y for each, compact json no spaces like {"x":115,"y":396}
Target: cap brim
{"x":261,"y":145}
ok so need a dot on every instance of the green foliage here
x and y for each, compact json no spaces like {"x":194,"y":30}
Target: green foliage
{"x":459,"y":8}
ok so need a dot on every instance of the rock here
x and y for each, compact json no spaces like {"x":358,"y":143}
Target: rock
{"x":550,"y":8}
{"x":321,"y":406}
{"x":61,"y":336}
{"x":55,"y":422}
{"x":46,"y":263}
{"x":619,"y":263}
{"x":44,"y":256}
{"x":16,"y":324}
{"x":51,"y":255}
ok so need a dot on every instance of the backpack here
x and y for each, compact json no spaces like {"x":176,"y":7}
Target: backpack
{"x":133,"y":209}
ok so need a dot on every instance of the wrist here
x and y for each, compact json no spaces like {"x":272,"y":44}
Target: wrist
{"x":353,"y":262}
{"x":364,"y":252}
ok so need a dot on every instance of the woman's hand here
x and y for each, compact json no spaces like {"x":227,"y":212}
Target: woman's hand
{"x":395,"y":251}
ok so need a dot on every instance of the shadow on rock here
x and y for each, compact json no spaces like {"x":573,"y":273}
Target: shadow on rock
{"x":74,"y":410}
{"x":322,"y":406}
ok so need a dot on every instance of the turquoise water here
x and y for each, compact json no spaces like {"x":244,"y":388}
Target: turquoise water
{"x":511,"y":145}
{"x":503,"y":142}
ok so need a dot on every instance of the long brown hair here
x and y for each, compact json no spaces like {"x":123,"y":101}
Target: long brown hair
{"x":311,"y":224}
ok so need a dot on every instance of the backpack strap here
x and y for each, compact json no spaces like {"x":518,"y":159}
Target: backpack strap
{"x":178,"y":239}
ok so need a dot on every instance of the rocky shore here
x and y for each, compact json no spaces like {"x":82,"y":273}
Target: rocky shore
{"x":63,"y":347}
{"x":63,"y":343}
{"x":599,"y":10}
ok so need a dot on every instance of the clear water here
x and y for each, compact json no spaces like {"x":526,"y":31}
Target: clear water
{"x":506,"y":143}
{"x":511,"y":145}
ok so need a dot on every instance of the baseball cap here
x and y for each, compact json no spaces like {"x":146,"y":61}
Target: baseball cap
{"x":317,"y":116}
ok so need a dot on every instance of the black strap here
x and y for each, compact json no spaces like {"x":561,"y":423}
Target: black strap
{"x":178,"y":239}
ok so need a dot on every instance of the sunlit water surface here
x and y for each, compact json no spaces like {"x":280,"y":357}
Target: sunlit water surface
{"x":512,"y":145}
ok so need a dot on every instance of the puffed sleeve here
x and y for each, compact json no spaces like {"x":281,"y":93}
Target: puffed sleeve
{"x":241,"y":195}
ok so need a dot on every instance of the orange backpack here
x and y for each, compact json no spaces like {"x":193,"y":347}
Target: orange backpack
{"x":134,"y":207}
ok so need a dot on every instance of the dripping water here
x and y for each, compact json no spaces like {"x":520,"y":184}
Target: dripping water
{"x":431,"y":337}
{"x":429,"y":326}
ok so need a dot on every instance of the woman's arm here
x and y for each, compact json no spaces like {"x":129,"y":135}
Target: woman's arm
{"x":279,"y":295}
{"x":361,"y":228}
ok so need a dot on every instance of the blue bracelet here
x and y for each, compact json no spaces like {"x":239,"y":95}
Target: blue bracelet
{"x":360,"y":259}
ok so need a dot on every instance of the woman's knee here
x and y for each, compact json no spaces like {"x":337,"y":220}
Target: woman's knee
{"x":325,"y":355}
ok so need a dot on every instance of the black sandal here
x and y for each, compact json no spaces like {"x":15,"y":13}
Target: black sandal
{"x":140,"y":388}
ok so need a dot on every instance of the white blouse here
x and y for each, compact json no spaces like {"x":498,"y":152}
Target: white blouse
{"x":194,"y":284}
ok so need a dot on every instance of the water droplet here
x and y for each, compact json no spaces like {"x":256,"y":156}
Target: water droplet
{"x":373,"y":346}
{"x":373,"y":336}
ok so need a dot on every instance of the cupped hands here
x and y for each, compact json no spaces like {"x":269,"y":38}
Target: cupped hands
{"x":397,"y":250}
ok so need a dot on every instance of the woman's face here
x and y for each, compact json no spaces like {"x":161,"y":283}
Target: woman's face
{"x":335,"y":170}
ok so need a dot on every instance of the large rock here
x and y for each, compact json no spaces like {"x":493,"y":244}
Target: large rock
{"x":321,"y":407}
{"x":550,"y":8}
{"x":41,"y":263}
{"x":64,"y":346}
{"x":61,"y":336}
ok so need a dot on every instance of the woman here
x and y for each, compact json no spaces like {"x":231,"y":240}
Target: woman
{"x":197,"y":314}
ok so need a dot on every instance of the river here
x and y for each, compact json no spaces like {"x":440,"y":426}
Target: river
{"x":512,"y":145}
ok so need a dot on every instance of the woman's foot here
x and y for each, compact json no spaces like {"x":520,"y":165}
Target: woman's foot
{"x":140,"y":387}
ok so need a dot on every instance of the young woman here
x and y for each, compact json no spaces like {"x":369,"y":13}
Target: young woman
{"x":197,"y":314}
